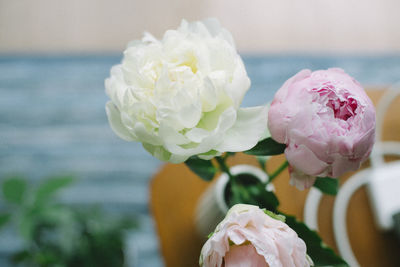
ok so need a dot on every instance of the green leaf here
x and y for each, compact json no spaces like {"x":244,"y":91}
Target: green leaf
{"x":267,"y":199}
{"x":21,"y":256}
{"x":26,"y":226}
{"x":327,"y":185}
{"x":4,"y":218}
{"x":319,"y":252}
{"x":267,"y":147}
{"x":210,"y":234}
{"x":14,"y":189}
{"x":254,"y":194}
{"x":237,"y":195}
{"x":50,"y":187}
{"x":262,"y":160}
{"x":203,"y":168}
{"x":274,"y":215}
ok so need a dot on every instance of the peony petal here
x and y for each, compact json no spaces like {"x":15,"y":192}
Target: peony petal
{"x":177,"y":158}
{"x":170,"y":135}
{"x":277,"y":123}
{"x":157,"y":151}
{"x":240,"y":84}
{"x":282,"y":93}
{"x":315,"y":143}
{"x":362,"y":146}
{"x":114,"y":118}
{"x":115,"y":86}
{"x":249,"y":128}
{"x":241,"y":208}
{"x":225,"y":121}
{"x":301,"y":180}
{"x":303,"y":159}
{"x":342,"y":165}
{"x":197,"y":134}
{"x":190,"y":115}
{"x":209,"y":155}
{"x":182,"y":112}
{"x":244,"y":256}
{"x":208,"y":95}
{"x":143,"y":135}
{"x":163,"y":84}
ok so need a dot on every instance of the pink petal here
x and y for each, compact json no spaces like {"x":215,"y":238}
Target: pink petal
{"x":244,"y":256}
{"x":303,"y":159}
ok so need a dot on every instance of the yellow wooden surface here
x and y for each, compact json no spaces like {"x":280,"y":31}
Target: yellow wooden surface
{"x":175,"y":191}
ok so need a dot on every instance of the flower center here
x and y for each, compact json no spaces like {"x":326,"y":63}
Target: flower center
{"x":342,"y":104}
{"x":343,"y":109}
{"x":191,"y":62}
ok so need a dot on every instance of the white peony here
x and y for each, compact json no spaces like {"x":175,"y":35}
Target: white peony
{"x":180,"y":95}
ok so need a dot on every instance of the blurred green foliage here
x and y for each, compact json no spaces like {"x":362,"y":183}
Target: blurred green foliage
{"x":59,"y":235}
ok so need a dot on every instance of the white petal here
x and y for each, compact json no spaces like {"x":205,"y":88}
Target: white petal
{"x":240,"y":84}
{"x":168,"y":116}
{"x":249,"y":128}
{"x":144,"y":136}
{"x":215,"y":29}
{"x":213,"y":26}
{"x":114,"y":118}
{"x":162,"y":154}
{"x":197,"y":134}
{"x":186,"y":109}
{"x":211,"y":120}
{"x":177,"y":158}
{"x":116,"y":86}
{"x":208,"y":96}
{"x":163,"y":84}
{"x":157,"y":151}
{"x":170,"y":135}
{"x":149,"y":38}
{"x":209,"y":156}
{"x":226,"y":120}
{"x":190,"y":115}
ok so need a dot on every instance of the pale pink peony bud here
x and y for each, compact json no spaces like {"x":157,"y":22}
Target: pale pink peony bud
{"x":326,"y":121}
{"x":249,"y":237}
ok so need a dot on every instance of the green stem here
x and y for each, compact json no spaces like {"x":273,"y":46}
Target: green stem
{"x":224,"y":168}
{"x":278,"y":171}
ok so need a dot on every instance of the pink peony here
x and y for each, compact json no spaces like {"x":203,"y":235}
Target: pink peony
{"x":326,"y":121}
{"x":249,"y":237}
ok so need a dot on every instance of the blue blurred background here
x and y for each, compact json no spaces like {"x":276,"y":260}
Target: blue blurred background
{"x":54,"y":57}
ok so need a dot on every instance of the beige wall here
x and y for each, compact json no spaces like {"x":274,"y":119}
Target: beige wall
{"x":257,"y":25}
